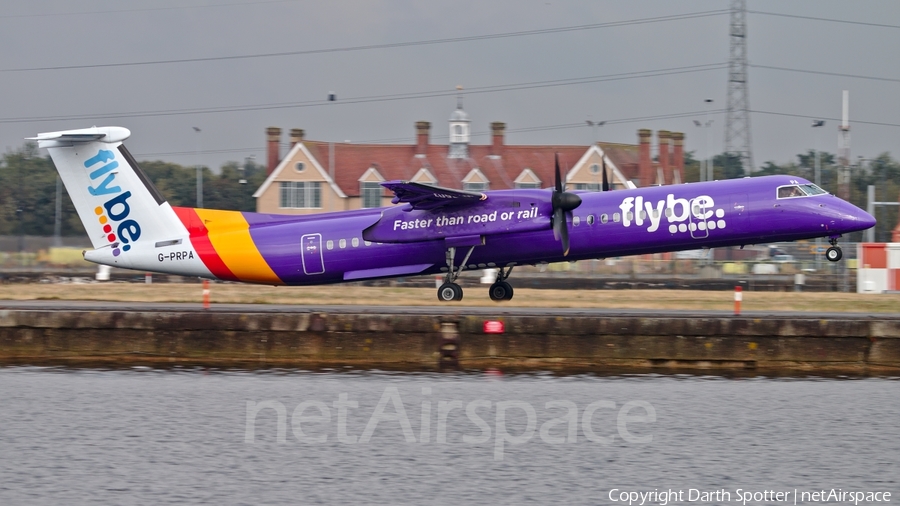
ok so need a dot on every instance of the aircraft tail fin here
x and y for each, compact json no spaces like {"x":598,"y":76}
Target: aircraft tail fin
{"x":118,"y":205}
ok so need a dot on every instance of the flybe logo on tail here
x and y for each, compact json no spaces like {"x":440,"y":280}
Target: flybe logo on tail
{"x":113,"y":214}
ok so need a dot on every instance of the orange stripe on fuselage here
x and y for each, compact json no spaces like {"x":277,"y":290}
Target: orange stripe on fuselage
{"x":200,"y":241}
{"x":229,"y":234}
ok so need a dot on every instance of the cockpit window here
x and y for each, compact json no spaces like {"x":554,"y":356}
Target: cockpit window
{"x":799,"y":190}
{"x":812,"y":189}
{"x":785,"y":192}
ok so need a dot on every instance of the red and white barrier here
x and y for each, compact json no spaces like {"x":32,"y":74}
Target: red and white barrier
{"x":879,"y":267}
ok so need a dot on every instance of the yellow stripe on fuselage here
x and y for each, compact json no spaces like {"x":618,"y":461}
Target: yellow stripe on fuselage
{"x":229,"y":234}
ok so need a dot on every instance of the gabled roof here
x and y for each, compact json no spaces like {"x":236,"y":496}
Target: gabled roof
{"x":402,"y":162}
{"x":288,"y":159}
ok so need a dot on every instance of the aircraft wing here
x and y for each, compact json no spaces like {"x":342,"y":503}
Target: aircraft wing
{"x":428,"y":198}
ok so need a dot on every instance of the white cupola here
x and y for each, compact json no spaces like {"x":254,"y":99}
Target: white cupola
{"x":459,"y":131}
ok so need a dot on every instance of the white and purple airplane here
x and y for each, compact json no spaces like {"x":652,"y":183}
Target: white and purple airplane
{"x":432,"y":230}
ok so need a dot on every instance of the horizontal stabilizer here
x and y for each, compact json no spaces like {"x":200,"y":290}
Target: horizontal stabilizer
{"x":71,"y":137}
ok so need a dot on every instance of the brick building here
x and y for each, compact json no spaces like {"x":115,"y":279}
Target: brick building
{"x":317,"y":176}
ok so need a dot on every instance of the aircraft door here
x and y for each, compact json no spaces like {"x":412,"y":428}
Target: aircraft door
{"x":311,"y":250}
{"x":697,"y":224}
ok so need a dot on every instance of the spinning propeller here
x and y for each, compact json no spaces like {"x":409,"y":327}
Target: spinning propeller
{"x":563,"y":203}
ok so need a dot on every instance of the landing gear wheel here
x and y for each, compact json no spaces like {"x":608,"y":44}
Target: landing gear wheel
{"x":833,"y":254}
{"x":449,"y":292}
{"x":501,"y":290}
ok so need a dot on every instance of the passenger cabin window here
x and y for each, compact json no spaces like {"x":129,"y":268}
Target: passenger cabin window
{"x":604,"y":218}
{"x":590,"y":219}
{"x":617,"y":217}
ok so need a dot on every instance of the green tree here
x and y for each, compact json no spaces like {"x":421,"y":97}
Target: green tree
{"x":28,"y":196}
{"x":727,"y":166}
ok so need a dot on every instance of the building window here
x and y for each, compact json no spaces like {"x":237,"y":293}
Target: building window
{"x":299,"y":166}
{"x":595,"y":169}
{"x":301,"y":195}
{"x":528,"y":185}
{"x":475,"y":186}
{"x":371,"y":194}
{"x":594,"y":187}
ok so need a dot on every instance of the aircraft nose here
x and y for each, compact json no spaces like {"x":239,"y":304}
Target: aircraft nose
{"x":865,"y":219}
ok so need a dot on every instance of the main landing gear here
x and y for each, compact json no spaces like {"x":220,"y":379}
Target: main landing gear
{"x":501,"y":290}
{"x":834,"y":253}
{"x":450,"y":290}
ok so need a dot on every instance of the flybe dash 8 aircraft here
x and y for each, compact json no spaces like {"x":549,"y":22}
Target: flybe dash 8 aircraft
{"x":432,"y":230}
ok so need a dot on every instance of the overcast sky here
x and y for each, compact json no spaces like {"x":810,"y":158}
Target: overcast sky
{"x":235,"y":86}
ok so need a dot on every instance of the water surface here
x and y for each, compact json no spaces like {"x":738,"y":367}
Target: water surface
{"x":145,"y":436}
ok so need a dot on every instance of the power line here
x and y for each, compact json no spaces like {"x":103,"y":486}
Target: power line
{"x":382,"y":98}
{"x":813,"y":18}
{"x":594,"y":26}
{"x":635,"y":119}
{"x":580,"y":124}
{"x":823,"y":73}
{"x":144,"y":9}
{"x":807,"y":116}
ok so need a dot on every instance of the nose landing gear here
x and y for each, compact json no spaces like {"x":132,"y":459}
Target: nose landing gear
{"x":834,"y":253}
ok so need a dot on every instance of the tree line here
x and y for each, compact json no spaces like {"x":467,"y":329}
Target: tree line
{"x":28,"y":191}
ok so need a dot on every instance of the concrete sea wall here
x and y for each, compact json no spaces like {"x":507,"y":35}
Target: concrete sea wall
{"x":852,"y":343}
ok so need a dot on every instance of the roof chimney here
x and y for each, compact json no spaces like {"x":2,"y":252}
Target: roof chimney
{"x":497,"y":129}
{"x":645,"y":168}
{"x":678,"y":156}
{"x":664,"y":160}
{"x":297,"y":135}
{"x":273,"y":137}
{"x":422,"y":131}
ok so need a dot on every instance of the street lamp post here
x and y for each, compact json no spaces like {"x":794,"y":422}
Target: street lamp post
{"x":706,"y":165}
{"x":199,"y":170}
{"x":818,"y":176}
{"x":710,"y":166}
{"x":818,"y":165}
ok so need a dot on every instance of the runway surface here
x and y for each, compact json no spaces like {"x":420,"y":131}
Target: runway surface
{"x":437,"y":310}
